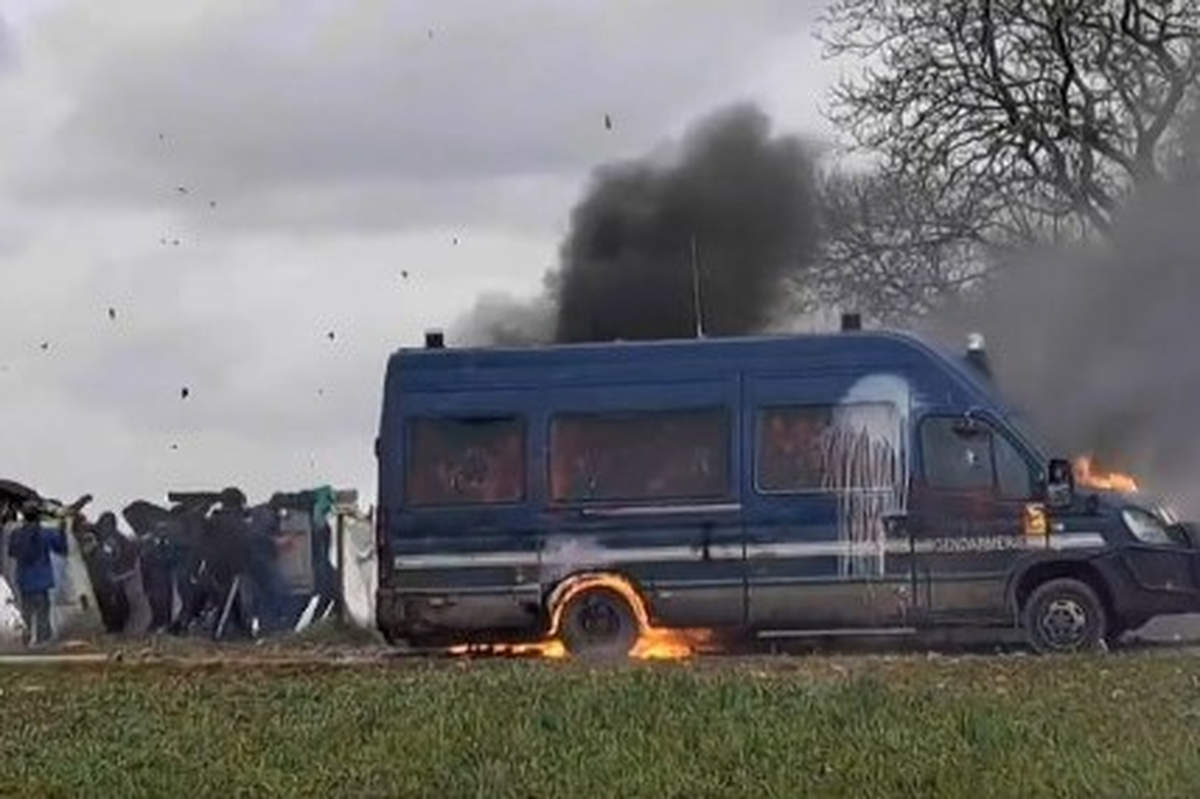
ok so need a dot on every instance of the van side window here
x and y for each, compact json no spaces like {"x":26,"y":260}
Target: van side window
{"x":1013,"y":476}
{"x":465,"y":461}
{"x":829,"y":448}
{"x":960,"y":456}
{"x":640,"y":456}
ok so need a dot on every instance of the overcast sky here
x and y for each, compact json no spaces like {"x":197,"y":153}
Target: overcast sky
{"x":238,"y":179}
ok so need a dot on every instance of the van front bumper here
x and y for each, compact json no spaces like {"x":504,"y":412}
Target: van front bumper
{"x":1151,"y":581}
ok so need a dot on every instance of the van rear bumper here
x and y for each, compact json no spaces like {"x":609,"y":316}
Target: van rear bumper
{"x":405,"y":613}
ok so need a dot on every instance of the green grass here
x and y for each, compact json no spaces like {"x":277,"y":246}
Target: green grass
{"x":903,"y":726}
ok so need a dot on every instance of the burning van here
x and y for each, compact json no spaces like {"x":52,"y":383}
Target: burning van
{"x":594,"y":496}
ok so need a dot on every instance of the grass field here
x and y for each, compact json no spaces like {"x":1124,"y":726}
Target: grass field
{"x":1122,"y":725}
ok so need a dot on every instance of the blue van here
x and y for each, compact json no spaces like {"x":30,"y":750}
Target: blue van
{"x":769,"y":485}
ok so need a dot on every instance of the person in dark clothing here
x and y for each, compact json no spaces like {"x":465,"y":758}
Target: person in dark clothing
{"x":230,"y":555}
{"x":30,"y":546}
{"x":193,"y":573}
{"x":263,"y":527}
{"x":120,"y":556}
{"x":114,"y":609}
{"x":160,"y":559}
{"x":154,"y":529}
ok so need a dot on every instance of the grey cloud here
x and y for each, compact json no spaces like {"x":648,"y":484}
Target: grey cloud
{"x":254,"y":102}
{"x":8,"y":47}
{"x":233,"y":387}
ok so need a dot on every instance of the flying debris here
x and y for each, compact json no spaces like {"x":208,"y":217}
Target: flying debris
{"x":181,"y":189}
{"x":175,"y":242}
{"x":162,"y":137}
{"x":112,"y":313}
{"x":175,"y":447}
{"x":184,"y":392}
{"x":456,"y":240}
{"x":320,"y":392}
{"x":45,"y":346}
{"x":430,"y":33}
{"x":607,"y":122}
{"x":212,"y":203}
{"x":330,"y":335}
{"x":162,"y":241}
{"x":404,"y":274}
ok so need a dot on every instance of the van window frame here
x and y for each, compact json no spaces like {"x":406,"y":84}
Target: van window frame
{"x":729,"y":419}
{"x":756,"y":450}
{"x":479,"y":416}
{"x":995,"y":428}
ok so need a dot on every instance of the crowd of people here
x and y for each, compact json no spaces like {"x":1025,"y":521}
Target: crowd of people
{"x":207,"y":564}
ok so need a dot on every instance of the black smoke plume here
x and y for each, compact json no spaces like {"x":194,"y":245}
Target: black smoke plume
{"x":1100,"y":346}
{"x":732,"y":210}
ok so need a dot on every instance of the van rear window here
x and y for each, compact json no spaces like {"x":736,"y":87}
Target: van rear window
{"x":640,"y":456}
{"x":465,"y":461}
{"x":830,"y":448}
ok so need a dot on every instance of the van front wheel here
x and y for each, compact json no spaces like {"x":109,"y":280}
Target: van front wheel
{"x":598,"y":624}
{"x":1064,"y":615}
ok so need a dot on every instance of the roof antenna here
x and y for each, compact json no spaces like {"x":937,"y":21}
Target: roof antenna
{"x":697,"y":304}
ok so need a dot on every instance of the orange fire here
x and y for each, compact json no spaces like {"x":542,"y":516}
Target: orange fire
{"x":551,"y":648}
{"x":653,"y":643}
{"x":1087,"y":475}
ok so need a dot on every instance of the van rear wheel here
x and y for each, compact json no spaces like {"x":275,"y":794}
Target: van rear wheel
{"x":1064,"y":615}
{"x":598,"y":624}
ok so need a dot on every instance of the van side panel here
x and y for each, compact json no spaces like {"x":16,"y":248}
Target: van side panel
{"x":742,"y":556}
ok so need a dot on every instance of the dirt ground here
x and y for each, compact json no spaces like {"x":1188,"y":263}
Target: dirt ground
{"x":334,"y":643}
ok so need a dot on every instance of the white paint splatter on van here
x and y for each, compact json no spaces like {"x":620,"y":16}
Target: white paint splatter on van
{"x":867,"y":463}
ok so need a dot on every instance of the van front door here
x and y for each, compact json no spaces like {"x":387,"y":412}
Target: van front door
{"x":972,"y":495}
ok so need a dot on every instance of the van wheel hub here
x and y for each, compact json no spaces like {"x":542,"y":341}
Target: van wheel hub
{"x":599,"y":619}
{"x":1064,"y":622}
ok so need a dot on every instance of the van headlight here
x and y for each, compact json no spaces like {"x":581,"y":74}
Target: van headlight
{"x":1145,"y":526}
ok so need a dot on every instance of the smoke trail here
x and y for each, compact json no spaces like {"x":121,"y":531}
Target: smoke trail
{"x":505,"y":321}
{"x":1099,"y":346}
{"x":746,"y":200}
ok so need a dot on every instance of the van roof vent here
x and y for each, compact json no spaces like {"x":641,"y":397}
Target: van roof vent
{"x":851,"y":321}
{"x":434,"y":340}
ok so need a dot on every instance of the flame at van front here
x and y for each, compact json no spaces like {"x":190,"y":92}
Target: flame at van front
{"x":1086,"y":474}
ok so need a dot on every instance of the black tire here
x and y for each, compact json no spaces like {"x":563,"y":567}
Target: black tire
{"x":1063,"y":616}
{"x":598,"y":624}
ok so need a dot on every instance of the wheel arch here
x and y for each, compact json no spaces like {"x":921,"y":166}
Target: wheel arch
{"x":555,"y":597}
{"x":1023,"y":583}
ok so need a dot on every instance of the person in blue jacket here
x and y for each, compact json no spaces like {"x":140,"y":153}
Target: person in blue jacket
{"x":30,"y":546}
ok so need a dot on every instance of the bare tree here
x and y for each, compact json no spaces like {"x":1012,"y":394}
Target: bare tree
{"x":997,"y":123}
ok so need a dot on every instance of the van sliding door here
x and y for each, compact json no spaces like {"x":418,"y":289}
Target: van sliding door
{"x":642,"y":482}
{"x":827,"y":465}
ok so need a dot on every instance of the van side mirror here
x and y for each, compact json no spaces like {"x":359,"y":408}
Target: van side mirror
{"x":1060,"y":484}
